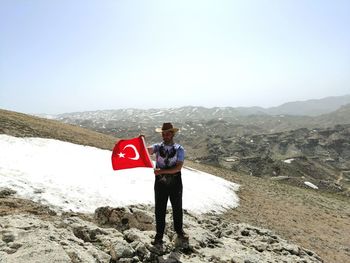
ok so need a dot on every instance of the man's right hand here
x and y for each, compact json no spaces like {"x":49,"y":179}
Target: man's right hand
{"x":157,"y":171}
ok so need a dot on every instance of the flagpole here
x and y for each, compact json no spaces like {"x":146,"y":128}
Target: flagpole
{"x":144,"y":144}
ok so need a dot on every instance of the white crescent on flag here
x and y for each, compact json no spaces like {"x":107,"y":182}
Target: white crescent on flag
{"x":137,"y":155}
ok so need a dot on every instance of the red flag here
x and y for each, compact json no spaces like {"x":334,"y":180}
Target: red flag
{"x":130,"y":153}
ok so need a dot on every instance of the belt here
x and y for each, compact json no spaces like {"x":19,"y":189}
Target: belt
{"x":170,"y":175}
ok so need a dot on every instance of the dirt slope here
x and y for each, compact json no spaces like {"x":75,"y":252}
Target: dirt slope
{"x":23,"y":125}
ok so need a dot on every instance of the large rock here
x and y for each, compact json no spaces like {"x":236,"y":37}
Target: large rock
{"x":28,"y":239}
{"x":5,"y":192}
{"x":123,"y":218}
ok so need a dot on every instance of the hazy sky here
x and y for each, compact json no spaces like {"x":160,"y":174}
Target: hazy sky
{"x":63,"y":56}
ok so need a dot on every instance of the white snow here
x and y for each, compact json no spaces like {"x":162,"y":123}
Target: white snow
{"x":80,"y":178}
{"x":311,"y":185}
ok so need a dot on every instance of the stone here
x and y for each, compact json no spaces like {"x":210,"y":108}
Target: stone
{"x":5,"y":192}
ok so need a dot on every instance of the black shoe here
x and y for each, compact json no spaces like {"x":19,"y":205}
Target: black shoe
{"x":158,"y":240}
{"x":182,"y":236}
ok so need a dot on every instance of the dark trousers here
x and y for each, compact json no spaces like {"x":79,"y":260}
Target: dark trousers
{"x":168,"y":186}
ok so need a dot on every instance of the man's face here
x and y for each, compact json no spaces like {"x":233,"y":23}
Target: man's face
{"x":167,"y":136}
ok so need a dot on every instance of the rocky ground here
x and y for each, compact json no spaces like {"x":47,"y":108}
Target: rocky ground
{"x":319,"y":156}
{"x":33,"y":233}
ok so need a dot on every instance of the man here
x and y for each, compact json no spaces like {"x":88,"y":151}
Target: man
{"x":168,"y":184}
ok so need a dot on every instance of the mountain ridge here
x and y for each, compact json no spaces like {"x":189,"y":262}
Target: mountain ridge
{"x":312,"y":107}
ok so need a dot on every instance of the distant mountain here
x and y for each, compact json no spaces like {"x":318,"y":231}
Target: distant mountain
{"x":189,"y":113}
{"x":310,"y":107}
{"x":342,"y":115}
{"x":191,"y":119}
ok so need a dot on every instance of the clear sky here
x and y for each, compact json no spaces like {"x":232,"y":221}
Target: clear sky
{"x":62,"y":56}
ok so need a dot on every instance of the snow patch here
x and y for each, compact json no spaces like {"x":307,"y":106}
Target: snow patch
{"x":311,"y":185}
{"x":80,"y":178}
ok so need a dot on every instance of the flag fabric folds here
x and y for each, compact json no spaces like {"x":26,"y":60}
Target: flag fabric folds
{"x":130,"y":153}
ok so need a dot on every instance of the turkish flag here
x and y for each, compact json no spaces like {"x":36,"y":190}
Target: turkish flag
{"x":130,"y":153}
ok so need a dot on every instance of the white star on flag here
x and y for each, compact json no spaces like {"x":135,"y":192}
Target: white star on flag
{"x":121,"y":155}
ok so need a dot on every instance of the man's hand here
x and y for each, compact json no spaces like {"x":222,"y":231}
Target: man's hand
{"x":157,"y":171}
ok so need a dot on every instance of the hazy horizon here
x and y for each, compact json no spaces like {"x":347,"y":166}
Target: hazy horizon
{"x":140,"y":108}
{"x":63,"y":56}
{"x":148,"y":108}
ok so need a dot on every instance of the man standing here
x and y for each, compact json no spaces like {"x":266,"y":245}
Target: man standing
{"x":168,"y":184}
